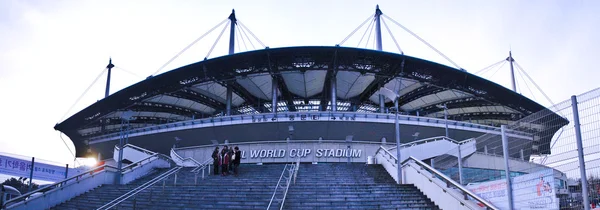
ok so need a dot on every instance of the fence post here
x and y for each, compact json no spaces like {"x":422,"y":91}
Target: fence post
{"x":506,"y":169}
{"x":31,"y":173}
{"x":584,"y":184}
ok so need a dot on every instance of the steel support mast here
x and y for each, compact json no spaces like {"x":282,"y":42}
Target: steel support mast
{"x":109,"y":67}
{"x":512,"y":71}
{"x":231,"y":52}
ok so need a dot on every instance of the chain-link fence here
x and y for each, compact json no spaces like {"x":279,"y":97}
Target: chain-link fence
{"x":541,"y":153}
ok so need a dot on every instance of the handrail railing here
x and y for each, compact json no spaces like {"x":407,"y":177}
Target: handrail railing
{"x":280,"y":117}
{"x":136,"y":148}
{"x":431,"y":139}
{"x":296,"y":171}
{"x":43,"y":190}
{"x":198,"y":164}
{"x":139,"y":189}
{"x":277,"y":186}
{"x":446,"y":179}
{"x":89,"y":172}
{"x":202,"y":166}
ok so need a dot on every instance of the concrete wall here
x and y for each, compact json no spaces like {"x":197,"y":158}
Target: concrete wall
{"x":283,"y":152}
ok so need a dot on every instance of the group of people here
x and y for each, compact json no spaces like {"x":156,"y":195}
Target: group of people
{"x":227,"y":160}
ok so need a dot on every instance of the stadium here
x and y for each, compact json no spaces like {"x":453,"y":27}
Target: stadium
{"x":320,"y":106}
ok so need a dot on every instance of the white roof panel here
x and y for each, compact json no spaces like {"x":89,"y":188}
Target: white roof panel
{"x":183,"y":103}
{"x":305,"y":84}
{"x":351,"y":84}
{"x":259,"y":85}
{"x":218,"y":92}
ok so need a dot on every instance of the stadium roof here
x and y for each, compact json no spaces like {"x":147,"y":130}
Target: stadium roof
{"x":304,"y":75}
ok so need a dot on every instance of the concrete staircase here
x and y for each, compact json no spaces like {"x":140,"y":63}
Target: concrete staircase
{"x":321,"y":186}
{"x":252,"y":189}
{"x":351,"y":186}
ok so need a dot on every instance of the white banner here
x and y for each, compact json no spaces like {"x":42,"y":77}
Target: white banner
{"x":21,"y":168}
{"x":530,"y":191}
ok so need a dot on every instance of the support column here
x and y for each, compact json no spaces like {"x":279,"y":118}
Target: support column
{"x":396,"y":106}
{"x":584,"y":184}
{"x":506,"y":168}
{"x":333,"y":94}
{"x":109,"y":67}
{"x":274,"y":96}
{"x":460,"y":170}
{"x":378,"y":14}
{"x":228,"y":100}
{"x":381,"y":103}
{"x":512,"y":71}
{"x":232,"y":32}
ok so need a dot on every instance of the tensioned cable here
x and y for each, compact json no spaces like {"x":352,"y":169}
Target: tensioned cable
{"x":363,"y":36}
{"x":392,"y":35}
{"x":247,"y":37}
{"x":216,"y":41}
{"x":237,"y":39}
{"x":84,"y":92}
{"x":355,"y":30}
{"x":129,"y":72}
{"x":249,"y":31}
{"x":526,"y":85}
{"x":64,"y":142}
{"x":497,"y":70}
{"x":422,"y":40}
{"x":538,"y":87}
{"x":490,"y":66}
{"x":369,"y":37}
{"x":240,"y":34}
{"x":187,"y":47}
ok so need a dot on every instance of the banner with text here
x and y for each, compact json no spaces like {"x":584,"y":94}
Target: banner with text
{"x":530,"y":191}
{"x":21,"y":168}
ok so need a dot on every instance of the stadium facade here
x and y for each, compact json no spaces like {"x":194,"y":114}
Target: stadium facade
{"x":320,"y":104}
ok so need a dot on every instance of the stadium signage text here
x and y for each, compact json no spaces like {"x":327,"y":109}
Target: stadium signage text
{"x":304,"y":117}
{"x":301,"y":153}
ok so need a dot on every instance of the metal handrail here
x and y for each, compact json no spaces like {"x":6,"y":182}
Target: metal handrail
{"x":442,"y":176}
{"x":202,"y":166}
{"x":432,"y":139}
{"x":184,"y":159}
{"x":136,"y":148}
{"x":293,"y":175}
{"x":192,"y":122}
{"x":284,"y":141}
{"x":139,"y":189}
{"x":296,"y":171}
{"x":60,"y":183}
{"x":276,"y":187}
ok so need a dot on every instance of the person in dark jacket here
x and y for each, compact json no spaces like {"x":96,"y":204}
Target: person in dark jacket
{"x":230,"y":153}
{"x":224,"y":162}
{"x":237,"y":160}
{"x":215,"y":157}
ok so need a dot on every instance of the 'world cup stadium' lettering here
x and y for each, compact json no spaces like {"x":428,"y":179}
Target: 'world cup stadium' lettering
{"x":301,"y":153}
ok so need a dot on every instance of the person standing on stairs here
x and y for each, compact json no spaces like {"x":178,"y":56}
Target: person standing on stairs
{"x":215,"y":157}
{"x":224,"y":162}
{"x":236,"y":161}
{"x":231,"y":157}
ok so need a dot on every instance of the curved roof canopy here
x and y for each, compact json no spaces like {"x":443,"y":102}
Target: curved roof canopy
{"x":304,"y":76}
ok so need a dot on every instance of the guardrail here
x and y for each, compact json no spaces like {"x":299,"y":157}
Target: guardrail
{"x":449,"y":182}
{"x":46,"y":189}
{"x":76,"y":179}
{"x":183,"y":160}
{"x":136,"y":148}
{"x":291,"y":170}
{"x":140,"y":188}
{"x":303,"y":116}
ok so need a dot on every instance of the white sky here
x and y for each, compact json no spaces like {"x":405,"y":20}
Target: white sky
{"x":51,"y":51}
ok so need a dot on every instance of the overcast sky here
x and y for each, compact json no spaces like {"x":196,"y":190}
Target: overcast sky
{"x":51,"y":51}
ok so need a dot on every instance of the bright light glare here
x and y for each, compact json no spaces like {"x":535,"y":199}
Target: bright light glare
{"x":89,"y":161}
